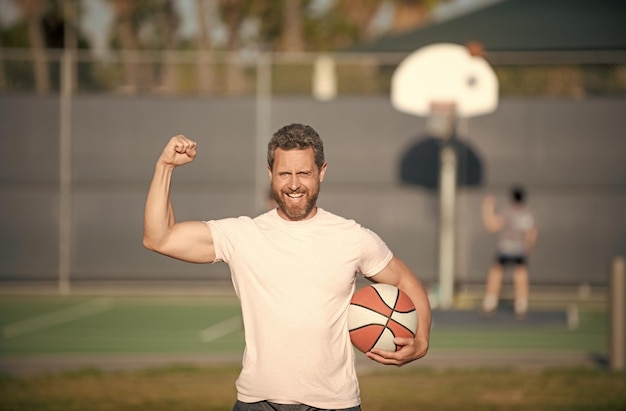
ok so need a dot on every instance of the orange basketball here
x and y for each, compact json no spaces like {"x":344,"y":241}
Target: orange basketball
{"x":377,"y":314}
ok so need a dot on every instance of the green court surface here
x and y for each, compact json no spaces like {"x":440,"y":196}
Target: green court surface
{"x":67,"y":325}
{"x":540,"y":330}
{"x":212,"y":326}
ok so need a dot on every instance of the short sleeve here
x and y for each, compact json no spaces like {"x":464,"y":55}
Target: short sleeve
{"x":375,"y":255}
{"x":224,"y":236}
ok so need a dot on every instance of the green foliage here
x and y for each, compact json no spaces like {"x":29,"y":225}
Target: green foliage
{"x":330,"y":32}
{"x":154,"y":26}
{"x":15,"y":36}
{"x":571,"y":81}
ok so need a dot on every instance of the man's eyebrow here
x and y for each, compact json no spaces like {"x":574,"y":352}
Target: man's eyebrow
{"x":307,"y":171}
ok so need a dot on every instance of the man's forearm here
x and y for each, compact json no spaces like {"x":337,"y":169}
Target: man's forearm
{"x":159,"y":213}
{"x":418,"y":294}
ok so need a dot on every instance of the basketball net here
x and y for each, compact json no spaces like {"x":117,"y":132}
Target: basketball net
{"x":441,"y":121}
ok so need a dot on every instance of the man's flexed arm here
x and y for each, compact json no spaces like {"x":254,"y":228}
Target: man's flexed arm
{"x":189,"y":241}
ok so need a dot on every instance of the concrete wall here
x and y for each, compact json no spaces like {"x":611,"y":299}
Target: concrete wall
{"x":570,"y":155}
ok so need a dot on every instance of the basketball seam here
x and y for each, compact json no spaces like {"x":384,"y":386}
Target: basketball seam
{"x":367,"y":308}
{"x":401,"y":325}
{"x":393,"y":309}
{"x":388,"y":318}
{"x":377,"y":339}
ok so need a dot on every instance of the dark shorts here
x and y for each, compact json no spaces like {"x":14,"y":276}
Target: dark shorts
{"x":270,"y":406}
{"x":510,"y":260}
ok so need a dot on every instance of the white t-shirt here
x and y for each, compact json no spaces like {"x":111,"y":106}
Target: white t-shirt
{"x":295,"y":281}
{"x":512,"y":238}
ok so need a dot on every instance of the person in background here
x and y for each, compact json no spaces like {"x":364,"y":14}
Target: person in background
{"x":517,"y":235}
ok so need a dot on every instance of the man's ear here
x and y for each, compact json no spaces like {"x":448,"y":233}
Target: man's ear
{"x":269,"y":172}
{"x":323,"y":172}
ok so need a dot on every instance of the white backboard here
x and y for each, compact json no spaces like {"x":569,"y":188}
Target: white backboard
{"x":444,"y":73}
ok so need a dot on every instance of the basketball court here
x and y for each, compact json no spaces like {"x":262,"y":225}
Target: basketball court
{"x":51,"y":334}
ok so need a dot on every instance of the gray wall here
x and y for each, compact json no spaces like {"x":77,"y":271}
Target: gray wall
{"x":571,"y":155}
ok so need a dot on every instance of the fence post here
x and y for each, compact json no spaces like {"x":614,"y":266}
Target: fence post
{"x":617,"y":329}
{"x":263,"y":121}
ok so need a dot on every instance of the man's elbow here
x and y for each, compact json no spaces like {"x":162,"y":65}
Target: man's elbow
{"x":150,"y":243}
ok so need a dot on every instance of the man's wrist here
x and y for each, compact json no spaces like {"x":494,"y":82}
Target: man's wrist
{"x":163,"y":166}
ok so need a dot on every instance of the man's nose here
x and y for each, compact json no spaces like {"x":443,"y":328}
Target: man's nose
{"x":294,"y":182}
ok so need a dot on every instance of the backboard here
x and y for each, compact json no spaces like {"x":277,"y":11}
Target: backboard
{"x":444,"y":73}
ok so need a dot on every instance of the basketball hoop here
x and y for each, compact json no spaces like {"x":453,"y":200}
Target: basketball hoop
{"x":441,"y":121}
{"x":443,"y":73}
{"x":475,"y":48}
{"x":441,"y":82}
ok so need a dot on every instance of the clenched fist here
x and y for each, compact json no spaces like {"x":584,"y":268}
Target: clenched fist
{"x":178,"y":151}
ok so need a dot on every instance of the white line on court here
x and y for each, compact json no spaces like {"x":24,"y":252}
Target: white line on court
{"x":51,"y":319}
{"x":221,"y":329}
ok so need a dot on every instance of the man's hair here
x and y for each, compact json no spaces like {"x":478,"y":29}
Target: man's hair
{"x":518,"y":194}
{"x":296,"y":137}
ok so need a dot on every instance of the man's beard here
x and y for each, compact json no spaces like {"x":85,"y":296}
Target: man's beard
{"x":296,"y":212}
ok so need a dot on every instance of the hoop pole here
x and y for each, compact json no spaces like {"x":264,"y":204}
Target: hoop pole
{"x":447,"y":222}
{"x":443,"y":123}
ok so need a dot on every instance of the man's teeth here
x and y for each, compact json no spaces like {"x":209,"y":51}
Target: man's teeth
{"x":295,"y":195}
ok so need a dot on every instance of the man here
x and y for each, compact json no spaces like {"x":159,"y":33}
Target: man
{"x":517,"y":236}
{"x":293,"y":269}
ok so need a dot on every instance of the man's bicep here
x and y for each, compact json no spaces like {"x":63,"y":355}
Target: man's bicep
{"x":191,"y":241}
{"x":393,"y":272}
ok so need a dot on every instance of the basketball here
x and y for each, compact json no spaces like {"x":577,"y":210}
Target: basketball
{"x":377,"y":314}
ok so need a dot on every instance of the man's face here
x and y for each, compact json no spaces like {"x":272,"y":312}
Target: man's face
{"x":295,"y":183}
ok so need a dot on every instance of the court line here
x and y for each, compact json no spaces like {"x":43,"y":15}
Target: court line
{"x":221,"y":329}
{"x":54,"y":318}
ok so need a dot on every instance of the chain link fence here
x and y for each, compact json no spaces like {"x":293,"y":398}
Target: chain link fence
{"x":180,"y":73}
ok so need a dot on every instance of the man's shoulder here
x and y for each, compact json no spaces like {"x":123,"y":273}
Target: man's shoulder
{"x":230,"y":223}
{"x":328,"y":217}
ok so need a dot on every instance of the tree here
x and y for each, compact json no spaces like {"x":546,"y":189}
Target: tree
{"x":205,"y":70}
{"x":359,"y":13}
{"x":33,"y":11}
{"x":233,"y":13}
{"x":292,"y":38}
{"x":168,"y":23}
{"x":127,"y":22}
{"x":409,"y":14}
